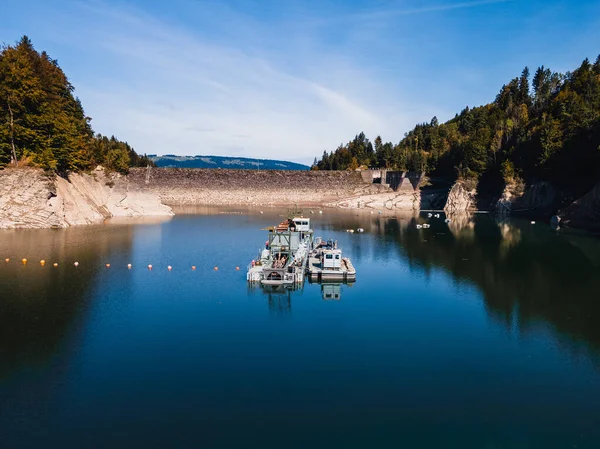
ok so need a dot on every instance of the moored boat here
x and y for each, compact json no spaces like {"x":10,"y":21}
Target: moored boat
{"x":284,"y":258}
{"x":326,"y":264}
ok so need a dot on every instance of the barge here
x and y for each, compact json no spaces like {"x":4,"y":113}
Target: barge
{"x":283,"y":260}
{"x":326,"y":264}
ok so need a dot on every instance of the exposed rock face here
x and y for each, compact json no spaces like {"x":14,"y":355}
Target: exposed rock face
{"x":538,"y":197}
{"x":460,"y":199}
{"x":585,"y":212}
{"x":406,"y":201}
{"x":29,"y":198}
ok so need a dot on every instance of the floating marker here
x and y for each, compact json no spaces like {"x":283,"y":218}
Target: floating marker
{"x":237,"y":268}
{"x":7,"y":260}
{"x":261,"y":211}
{"x":129,"y":266}
{"x":216,"y":268}
{"x":193,"y":267}
{"x":24,"y":261}
{"x":320,"y":211}
{"x":107,"y":265}
{"x":533,"y":222}
{"x":76,"y":264}
{"x":55,"y":264}
{"x":169,"y":268}
{"x":149,"y":267}
{"x":42,"y":262}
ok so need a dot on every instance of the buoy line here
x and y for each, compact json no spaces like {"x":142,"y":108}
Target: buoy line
{"x":129,"y":266}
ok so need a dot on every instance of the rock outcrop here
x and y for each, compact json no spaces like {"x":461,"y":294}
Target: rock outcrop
{"x":584,"y":212}
{"x":460,"y":199}
{"x":536,"y":198}
{"x":30,"y":198}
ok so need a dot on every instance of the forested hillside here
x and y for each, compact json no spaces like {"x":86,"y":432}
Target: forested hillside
{"x":43,"y":123}
{"x":544,"y":128}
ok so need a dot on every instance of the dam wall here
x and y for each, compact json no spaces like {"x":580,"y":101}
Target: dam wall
{"x":176,"y":186}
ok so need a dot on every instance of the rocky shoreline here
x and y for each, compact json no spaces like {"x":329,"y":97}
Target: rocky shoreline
{"x":30,"y":198}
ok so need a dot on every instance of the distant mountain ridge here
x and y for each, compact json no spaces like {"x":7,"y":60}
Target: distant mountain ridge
{"x":174,"y":161}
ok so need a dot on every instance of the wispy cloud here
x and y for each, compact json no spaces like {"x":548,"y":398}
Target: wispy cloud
{"x":270,"y":79}
{"x":178,"y":92}
{"x":377,"y":16}
{"x":440,"y":7}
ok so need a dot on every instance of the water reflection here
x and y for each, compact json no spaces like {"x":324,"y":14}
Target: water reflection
{"x":41,"y":306}
{"x":331,"y":292}
{"x":528,"y":273}
{"x":279,"y":297}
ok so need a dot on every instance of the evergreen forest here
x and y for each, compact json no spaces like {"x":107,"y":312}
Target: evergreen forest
{"x":43,"y":124}
{"x":540,"y":128}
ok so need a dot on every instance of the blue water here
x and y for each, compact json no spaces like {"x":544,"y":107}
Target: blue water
{"x":477,"y":334}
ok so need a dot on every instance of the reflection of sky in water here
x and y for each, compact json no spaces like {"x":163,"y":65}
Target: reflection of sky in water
{"x":478,"y":333}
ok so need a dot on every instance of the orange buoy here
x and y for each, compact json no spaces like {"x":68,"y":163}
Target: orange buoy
{"x":24,"y":261}
{"x":129,"y":266}
{"x":107,"y":265}
{"x":7,"y":260}
{"x":149,"y":267}
{"x":216,"y":268}
{"x":237,"y":268}
{"x":193,"y":267}
{"x":42,"y":262}
{"x":55,"y":264}
{"x":169,"y":268}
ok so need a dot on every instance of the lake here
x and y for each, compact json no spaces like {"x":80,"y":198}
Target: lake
{"x":480,"y":333}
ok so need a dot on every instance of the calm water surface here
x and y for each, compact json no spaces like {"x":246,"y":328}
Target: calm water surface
{"x":477,"y":334}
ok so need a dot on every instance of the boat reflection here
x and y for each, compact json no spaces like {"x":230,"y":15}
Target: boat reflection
{"x":279,"y":297}
{"x":331,"y":292}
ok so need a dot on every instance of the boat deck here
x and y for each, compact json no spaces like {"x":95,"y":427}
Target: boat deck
{"x":346,"y":273}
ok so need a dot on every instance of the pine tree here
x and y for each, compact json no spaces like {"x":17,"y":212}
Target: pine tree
{"x":41,"y":119}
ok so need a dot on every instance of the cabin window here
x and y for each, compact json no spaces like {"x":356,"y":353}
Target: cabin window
{"x":329,"y":256}
{"x":337,"y":256}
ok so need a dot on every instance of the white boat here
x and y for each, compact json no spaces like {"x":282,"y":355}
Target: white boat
{"x":326,"y":264}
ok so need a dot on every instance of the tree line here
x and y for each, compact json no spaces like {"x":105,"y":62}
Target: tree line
{"x":541,"y":128}
{"x":43,"y":123}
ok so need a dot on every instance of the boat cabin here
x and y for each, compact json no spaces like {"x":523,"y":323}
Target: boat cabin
{"x":302,"y":224}
{"x":331,"y":259}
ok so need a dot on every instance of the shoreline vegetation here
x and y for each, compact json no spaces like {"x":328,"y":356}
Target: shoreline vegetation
{"x":540,"y":130}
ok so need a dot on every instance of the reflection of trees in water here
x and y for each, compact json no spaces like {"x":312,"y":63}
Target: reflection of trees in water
{"x":41,"y":306}
{"x":527,"y":273}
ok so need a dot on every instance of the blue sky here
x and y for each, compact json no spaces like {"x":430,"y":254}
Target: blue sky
{"x":289,"y":79}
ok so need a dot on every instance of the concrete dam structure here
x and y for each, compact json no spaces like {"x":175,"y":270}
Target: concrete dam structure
{"x":252,"y":187}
